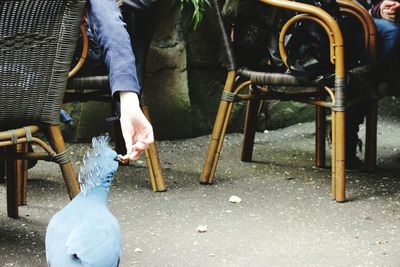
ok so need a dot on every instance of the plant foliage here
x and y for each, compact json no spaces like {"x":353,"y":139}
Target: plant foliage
{"x":198,"y":6}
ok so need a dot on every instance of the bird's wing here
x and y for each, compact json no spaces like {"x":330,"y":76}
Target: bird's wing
{"x":96,"y":242}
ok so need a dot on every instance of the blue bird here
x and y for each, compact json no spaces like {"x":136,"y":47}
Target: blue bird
{"x":85,"y":233}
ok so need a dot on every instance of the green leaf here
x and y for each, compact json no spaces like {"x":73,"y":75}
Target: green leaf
{"x":198,"y":9}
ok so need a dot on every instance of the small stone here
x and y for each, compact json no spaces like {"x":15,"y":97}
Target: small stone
{"x":201,"y":228}
{"x":138,"y":250}
{"x":235,"y":199}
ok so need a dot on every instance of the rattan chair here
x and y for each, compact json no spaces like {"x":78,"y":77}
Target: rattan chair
{"x":88,"y":87}
{"x":37,"y":41}
{"x":323,"y":96}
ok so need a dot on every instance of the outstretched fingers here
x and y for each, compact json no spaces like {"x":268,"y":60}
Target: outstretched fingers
{"x":143,"y":140}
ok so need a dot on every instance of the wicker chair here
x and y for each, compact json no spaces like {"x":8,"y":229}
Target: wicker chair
{"x":323,"y":96}
{"x":88,"y":87}
{"x":37,"y":41}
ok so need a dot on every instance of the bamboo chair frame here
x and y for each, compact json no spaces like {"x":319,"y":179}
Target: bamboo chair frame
{"x":22,"y":124}
{"x":337,"y":94}
{"x":97,"y":88}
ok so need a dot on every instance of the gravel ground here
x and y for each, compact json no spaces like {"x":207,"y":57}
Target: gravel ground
{"x":286,"y":216}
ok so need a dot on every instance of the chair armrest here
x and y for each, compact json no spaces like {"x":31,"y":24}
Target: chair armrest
{"x":85,"y":49}
{"x":326,"y":20}
{"x":367,"y":22}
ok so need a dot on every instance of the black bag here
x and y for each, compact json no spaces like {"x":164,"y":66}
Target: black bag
{"x":308,"y":45}
{"x":254,"y":33}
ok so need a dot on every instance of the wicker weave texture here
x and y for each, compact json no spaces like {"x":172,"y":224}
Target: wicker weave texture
{"x":37,"y":41}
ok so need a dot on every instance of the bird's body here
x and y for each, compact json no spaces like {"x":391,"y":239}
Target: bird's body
{"x":85,"y":233}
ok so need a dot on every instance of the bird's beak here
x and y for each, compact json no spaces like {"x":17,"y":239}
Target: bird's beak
{"x":123,"y":159}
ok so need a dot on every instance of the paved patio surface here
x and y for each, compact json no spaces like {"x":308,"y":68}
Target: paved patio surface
{"x":286,"y":217}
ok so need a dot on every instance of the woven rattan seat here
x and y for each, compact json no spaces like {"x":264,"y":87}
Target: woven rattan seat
{"x":37,"y":41}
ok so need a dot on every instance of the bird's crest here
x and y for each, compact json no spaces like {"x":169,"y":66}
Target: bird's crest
{"x":99,"y":165}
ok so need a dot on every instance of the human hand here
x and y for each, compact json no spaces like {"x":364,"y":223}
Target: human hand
{"x":136,"y":129}
{"x":388,"y":9}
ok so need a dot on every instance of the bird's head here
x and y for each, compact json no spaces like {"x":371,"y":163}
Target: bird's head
{"x":99,"y":165}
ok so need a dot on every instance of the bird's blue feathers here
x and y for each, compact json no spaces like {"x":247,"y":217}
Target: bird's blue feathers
{"x":84,"y":232}
{"x":99,"y":165}
{"x":95,"y":242}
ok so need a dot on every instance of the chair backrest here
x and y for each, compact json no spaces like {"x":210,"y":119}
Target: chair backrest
{"x":37,"y":41}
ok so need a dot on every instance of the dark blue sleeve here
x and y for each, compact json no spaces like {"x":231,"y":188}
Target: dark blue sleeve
{"x":105,"y":20}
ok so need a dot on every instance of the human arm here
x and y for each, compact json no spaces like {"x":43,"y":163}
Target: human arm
{"x":105,"y":19}
{"x":136,"y":129}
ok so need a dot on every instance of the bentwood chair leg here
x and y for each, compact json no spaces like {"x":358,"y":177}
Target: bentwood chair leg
{"x":250,"y":126}
{"x":333,"y":154}
{"x":370,"y":135}
{"x":218,"y":133}
{"x":340,"y":157}
{"x":153,"y":162}
{"x":320,"y":134}
{"x":22,"y":172}
{"x":155,"y":170}
{"x":12,"y":185}
{"x":57,"y":143}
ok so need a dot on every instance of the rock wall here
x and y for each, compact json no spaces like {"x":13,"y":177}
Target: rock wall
{"x":166,"y":81}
